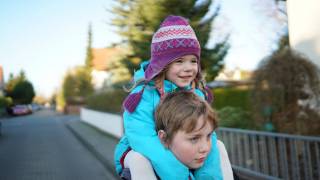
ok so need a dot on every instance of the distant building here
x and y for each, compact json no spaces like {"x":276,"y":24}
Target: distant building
{"x":233,"y":75}
{"x":304,"y":36}
{"x":236,"y":77}
{"x":304,"y":31}
{"x":102,"y":60}
{"x":1,"y":81}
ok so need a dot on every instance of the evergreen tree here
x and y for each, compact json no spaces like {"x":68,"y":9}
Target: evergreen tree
{"x":89,"y":55}
{"x":77,"y":85}
{"x":139,"y":19}
{"x":20,"y":89}
{"x":283,"y":42}
{"x":23,"y":93}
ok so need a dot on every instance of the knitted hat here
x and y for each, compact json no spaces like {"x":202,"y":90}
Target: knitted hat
{"x":175,"y":38}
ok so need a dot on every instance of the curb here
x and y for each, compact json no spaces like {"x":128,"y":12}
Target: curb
{"x":108,"y":165}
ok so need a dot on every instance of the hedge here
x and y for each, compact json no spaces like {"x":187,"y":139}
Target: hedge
{"x":107,"y":101}
{"x":231,"y":97}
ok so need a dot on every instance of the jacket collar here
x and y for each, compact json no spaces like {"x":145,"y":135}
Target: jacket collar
{"x":170,"y":87}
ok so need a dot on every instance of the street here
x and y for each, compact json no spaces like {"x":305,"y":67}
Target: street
{"x":39,"y":146}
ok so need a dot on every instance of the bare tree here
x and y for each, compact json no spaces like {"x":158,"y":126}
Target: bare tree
{"x":286,"y":92}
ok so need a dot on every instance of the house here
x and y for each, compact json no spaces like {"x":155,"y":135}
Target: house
{"x":304,"y":34}
{"x":101,"y":74}
{"x":227,"y":77}
{"x":233,"y":75}
{"x":102,"y":64}
{"x":1,"y":81}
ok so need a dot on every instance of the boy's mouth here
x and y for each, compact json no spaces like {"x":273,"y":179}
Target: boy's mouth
{"x":200,"y":160}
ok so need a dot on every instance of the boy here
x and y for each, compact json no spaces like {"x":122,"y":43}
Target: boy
{"x":184,"y":123}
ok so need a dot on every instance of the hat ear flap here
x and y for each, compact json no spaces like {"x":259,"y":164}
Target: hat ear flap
{"x":132,"y":101}
{"x":209,"y":95}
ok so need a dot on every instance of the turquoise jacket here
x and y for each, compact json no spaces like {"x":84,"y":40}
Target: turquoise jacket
{"x":141,"y":136}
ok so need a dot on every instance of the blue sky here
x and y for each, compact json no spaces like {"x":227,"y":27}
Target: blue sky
{"x":46,"y":38}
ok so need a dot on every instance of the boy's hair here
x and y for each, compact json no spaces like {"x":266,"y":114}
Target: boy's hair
{"x":181,"y":111}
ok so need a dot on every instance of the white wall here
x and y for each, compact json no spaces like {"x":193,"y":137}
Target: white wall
{"x":304,"y":27}
{"x":100,"y":78}
{"x":107,"y":122}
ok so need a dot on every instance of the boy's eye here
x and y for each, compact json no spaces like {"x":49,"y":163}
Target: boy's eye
{"x":194,"y":140}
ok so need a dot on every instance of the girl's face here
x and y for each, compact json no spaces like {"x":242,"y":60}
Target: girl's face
{"x":183,"y":70}
{"x":192,"y":148}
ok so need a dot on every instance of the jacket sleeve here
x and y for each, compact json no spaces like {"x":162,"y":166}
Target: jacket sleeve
{"x":140,"y":131}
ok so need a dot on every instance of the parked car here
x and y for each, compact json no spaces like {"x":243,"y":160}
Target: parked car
{"x":35,"y":107}
{"x":19,"y":110}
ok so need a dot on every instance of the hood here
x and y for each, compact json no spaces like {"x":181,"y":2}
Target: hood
{"x":139,"y":74}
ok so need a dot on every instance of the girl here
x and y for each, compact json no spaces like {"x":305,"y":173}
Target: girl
{"x":174,"y":66}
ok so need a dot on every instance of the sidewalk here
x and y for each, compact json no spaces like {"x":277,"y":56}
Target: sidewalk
{"x":99,"y":143}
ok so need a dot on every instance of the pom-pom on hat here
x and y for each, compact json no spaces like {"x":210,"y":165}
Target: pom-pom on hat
{"x":175,"y":38}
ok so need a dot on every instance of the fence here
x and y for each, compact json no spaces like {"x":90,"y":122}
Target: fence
{"x":264,"y":155}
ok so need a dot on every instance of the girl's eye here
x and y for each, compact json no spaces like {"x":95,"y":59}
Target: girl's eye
{"x":194,"y":61}
{"x":178,"y":61}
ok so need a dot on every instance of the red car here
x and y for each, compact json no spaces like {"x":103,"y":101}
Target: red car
{"x":20,"y":110}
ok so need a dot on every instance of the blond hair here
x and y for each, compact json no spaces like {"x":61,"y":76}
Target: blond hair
{"x":198,"y":82}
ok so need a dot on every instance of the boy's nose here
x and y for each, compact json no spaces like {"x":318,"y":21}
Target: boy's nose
{"x":205,"y":147}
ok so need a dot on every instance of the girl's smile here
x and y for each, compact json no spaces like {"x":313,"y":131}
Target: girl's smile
{"x":183,"y":70}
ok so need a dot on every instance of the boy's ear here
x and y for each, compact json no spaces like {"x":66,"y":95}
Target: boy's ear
{"x":162,"y":136}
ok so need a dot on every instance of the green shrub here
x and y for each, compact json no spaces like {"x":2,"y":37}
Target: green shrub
{"x":5,"y":102}
{"x":234,"y":97}
{"x":234,"y":117}
{"x":107,"y":101}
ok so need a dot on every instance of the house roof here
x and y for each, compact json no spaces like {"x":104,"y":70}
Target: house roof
{"x":102,"y":57}
{"x":1,"y":78}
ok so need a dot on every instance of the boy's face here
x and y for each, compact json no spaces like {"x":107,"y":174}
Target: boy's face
{"x":192,"y":148}
{"x":183,"y":70}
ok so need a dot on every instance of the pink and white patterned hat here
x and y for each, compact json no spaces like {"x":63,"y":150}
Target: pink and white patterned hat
{"x":174,"y":38}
